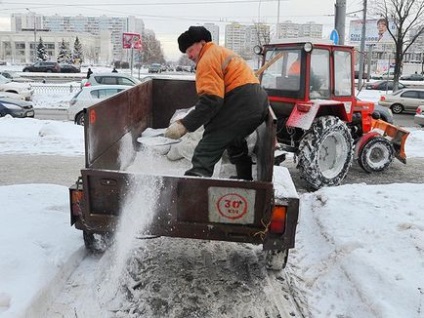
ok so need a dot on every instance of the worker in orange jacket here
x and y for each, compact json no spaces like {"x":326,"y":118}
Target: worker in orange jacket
{"x":295,"y":67}
{"x":231,"y":105}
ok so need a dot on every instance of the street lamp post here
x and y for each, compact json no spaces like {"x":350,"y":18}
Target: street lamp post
{"x":35,"y":34}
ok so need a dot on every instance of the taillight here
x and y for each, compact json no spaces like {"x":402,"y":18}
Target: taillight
{"x":419,"y":111}
{"x":77,"y":198}
{"x":87,"y":84}
{"x":382,"y":98}
{"x":278,"y":219}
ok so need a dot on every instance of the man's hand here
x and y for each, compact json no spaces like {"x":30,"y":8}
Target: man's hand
{"x":175,"y":131}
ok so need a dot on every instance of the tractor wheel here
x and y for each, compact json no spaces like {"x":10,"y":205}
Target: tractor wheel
{"x":376,"y":155}
{"x":97,"y":243}
{"x":325,"y":153}
{"x":276,"y":260}
{"x":397,"y":108}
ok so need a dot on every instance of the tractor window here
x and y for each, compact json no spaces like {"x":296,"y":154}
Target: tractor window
{"x":342,"y":73}
{"x":320,"y":74}
{"x":283,"y":74}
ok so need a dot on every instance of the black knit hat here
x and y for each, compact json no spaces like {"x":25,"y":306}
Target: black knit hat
{"x":193,"y":35}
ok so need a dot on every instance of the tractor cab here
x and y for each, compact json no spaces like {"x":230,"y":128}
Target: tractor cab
{"x":303,"y":72}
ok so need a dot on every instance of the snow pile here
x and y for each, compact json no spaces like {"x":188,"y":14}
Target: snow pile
{"x":28,"y":135}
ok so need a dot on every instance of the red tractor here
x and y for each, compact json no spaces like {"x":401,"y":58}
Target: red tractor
{"x":311,"y":89}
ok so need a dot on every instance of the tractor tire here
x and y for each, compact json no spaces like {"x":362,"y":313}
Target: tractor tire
{"x":97,"y":243}
{"x":325,"y":153}
{"x":376,"y":155}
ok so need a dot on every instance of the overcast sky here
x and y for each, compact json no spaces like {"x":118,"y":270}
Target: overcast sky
{"x":169,"y":18}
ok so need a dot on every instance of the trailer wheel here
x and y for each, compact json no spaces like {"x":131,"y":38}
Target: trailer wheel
{"x":276,"y":260}
{"x":79,"y":119}
{"x":97,"y":243}
{"x":325,"y":152}
{"x":376,"y":155}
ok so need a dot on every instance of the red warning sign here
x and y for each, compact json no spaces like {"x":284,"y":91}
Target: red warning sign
{"x":232,"y":206}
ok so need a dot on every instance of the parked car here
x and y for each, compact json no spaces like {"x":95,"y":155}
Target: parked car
{"x":69,"y":68}
{"x":15,"y":108}
{"x":407,"y":99}
{"x":383,"y":85}
{"x":364,"y":75}
{"x":14,"y":77}
{"x":385,"y":75}
{"x":88,"y":96}
{"x":383,"y":112}
{"x":419,"y":116}
{"x":11,"y":95}
{"x":412,"y":77}
{"x":23,"y":89}
{"x":111,"y":79}
{"x":155,"y":68}
{"x":42,"y":66}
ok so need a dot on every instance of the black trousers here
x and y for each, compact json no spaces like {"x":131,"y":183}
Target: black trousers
{"x":244,"y":109}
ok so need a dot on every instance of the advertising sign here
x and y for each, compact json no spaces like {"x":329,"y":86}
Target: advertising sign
{"x":131,"y":40}
{"x":376,"y":31}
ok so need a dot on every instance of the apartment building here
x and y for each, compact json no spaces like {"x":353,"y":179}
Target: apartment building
{"x":97,"y":26}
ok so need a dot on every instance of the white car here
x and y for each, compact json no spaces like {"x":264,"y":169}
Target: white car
{"x":89,"y":96}
{"x":419,"y":116}
{"x":23,"y":89}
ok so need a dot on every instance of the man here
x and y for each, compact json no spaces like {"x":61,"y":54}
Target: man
{"x":231,"y":105}
{"x":295,"y":67}
{"x":382,"y":25}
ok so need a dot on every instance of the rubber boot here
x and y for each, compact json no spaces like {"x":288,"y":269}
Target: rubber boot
{"x":244,"y":171}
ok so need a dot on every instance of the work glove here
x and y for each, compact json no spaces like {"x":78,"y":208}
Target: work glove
{"x":175,"y":131}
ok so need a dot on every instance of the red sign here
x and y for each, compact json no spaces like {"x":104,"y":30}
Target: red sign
{"x":232,"y":206}
{"x":131,"y":40}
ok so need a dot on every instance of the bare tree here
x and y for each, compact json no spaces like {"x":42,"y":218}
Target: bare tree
{"x":406,"y":17}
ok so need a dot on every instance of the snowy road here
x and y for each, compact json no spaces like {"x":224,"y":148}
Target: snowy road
{"x":177,"y":278}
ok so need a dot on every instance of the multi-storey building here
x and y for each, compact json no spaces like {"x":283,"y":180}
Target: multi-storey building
{"x":288,"y":29}
{"x":97,"y":26}
{"x":214,"y":30}
{"x":242,"y":38}
{"x":20,"y":47}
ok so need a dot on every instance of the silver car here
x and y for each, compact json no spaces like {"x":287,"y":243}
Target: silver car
{"x":407,"y":99}
{"x":419,"y":116}
{"x":110,"y":79}
{"x":89,"y":96}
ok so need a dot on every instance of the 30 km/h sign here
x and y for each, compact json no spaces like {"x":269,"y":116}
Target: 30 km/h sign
{"x":231,"y":205}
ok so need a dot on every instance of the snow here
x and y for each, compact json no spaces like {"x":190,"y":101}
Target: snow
{"x":359,"y":248}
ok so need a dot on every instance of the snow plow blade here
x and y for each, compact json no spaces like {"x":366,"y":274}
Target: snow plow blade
{"x":396,"y":135}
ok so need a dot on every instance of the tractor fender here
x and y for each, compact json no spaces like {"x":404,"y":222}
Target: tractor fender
{"x":363,"y":140}
{"x":304,"y":113}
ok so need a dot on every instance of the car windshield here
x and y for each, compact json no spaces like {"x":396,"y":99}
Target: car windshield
{"x":4,"y":80}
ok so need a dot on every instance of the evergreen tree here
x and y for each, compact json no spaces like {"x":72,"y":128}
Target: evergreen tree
{"x":64,"y":53}
{"x":77,"y":57}
{"x":41,"y":51}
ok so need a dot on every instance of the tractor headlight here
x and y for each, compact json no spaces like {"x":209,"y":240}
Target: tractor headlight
{"x":308,"y":47}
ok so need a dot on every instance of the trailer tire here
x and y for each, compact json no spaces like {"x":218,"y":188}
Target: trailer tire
{"x":276,"y":260}
{"x":97,"y":243}
{"x":325,"y":152}
{"x":79,"y":119}
{"x":376,"y":155}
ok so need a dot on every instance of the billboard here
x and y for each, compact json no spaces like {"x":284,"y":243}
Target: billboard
{"x":375,"y":32}
{"x":131,"y":40}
